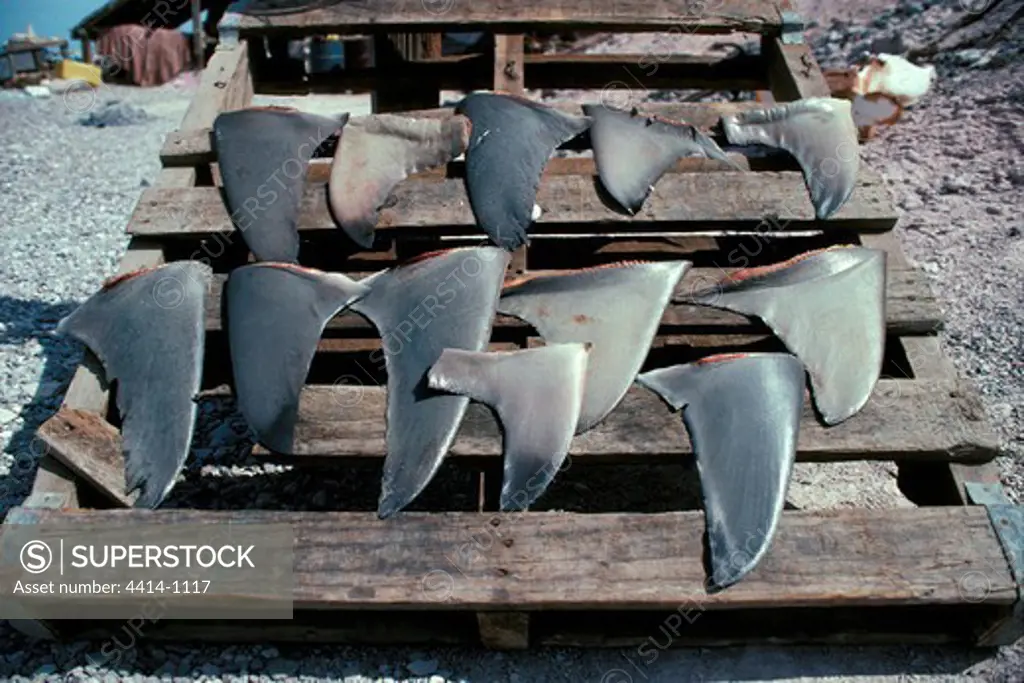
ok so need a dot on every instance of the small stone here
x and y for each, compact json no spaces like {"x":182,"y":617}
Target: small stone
{"x":969,"y":57}
{"x":7,"y":416}
{"x":1013,"y":232}
{"x":931,"y":267}
{"x":38,"y":91}
{"x":422,"y":667}
{"x":956,"y":185}
{"x":1002,"y":411}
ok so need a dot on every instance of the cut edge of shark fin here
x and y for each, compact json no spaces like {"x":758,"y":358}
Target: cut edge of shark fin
{"x":828,"y":307}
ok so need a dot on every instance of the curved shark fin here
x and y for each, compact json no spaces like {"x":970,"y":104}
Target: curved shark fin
{"x":443,"y":300}
{"x":742,"y":412}
{"x":511,"y":141}
{"x":264,"y":155}
{"x":632,"y":151}
{"x":276,"y":313}
{"x":537,"y":394}
{"x":819,"y":132}
{"x":615,"y":308}
{"x":148,"y":330}
{"x":377,"y":152}
{"x":828,"y":308}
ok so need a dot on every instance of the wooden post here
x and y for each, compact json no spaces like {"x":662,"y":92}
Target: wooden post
{"x":198,"y":47}
{"x":508,"y":77}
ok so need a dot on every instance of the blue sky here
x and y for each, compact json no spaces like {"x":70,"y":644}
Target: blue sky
{"x":48,"y":17}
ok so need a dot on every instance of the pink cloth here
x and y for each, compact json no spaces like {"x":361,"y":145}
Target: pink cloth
{"x":144,"y":56}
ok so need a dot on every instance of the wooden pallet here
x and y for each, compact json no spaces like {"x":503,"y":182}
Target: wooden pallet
{"x":599,"y":572}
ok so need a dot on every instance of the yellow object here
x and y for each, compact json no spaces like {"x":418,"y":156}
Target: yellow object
{"x":71,"y":70}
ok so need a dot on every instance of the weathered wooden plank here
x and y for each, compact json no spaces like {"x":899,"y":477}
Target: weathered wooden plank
{"x":558,"y":561}
{"x":910,"y":307}
{"x":793,"y":71}
{"x":189,"y":147}
{"x":636,"y":72}
{"x":320,"y":169}
{"x":683,"y":202}
{"x":904,"y":420}
{"x":220,"y":88}
{"x":509,"y":54}
{"x":91,"y":447}
{"x":498,"y":16}
{"x":54,"y":483}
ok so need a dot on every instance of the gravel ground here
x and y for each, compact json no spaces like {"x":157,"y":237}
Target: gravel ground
{"x":954,"y":166}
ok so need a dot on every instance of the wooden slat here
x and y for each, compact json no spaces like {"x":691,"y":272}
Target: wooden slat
{"x":500,"y":16}
{"x":904,"y":419}
{"x":319,"y":169}
{"x":910,"y":308}
{"x":91,"y":448}
{"x":190,"y":147}
{"x":636,"y":72}
{"x":793,"y":71}
{"x":220,"y":87}
{"x":682,"y":202}
{"x":508,"y":77}
{"x":545,"y":561}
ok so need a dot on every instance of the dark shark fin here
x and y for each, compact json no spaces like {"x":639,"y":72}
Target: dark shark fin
{"x":742,"y":412}
{"x":444,"y":300}
{"x":511,"y":141}
{"x":264,"y":155}
{"x":377,"y":152}
{"x":537,"y":394}
{"x":632,"y":151}
{"x":148,"y":330}
{"x":276,"y":313}
{"x":819,"y":132}
{"x":828,"y":308}
{"x":615,"y":308}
